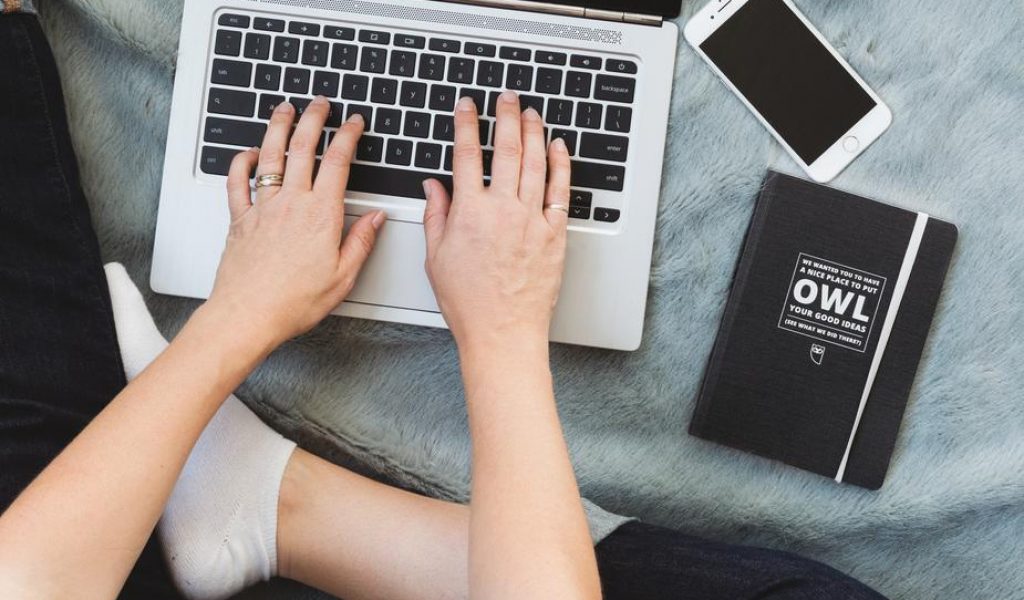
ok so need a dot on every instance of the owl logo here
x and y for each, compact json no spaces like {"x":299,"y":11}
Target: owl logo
{"x":817,"y":353}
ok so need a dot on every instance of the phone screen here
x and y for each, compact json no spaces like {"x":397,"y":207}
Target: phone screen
{"x":789,"y":76}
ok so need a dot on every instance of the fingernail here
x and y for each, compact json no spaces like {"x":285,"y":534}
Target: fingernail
{"x":355,"y":118}
{"x":319,"y":100}
{"x":254,"y":149}
{"x":531,"y":114}
{"x":465,"y":103}
{"x":559,"y":145}
{"x":283,"y":107}
{"x":428,"y":189}
{"x":378,"y":219}
{"x":509,"y":96}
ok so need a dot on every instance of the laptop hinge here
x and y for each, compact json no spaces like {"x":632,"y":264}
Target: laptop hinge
{"x":569,"y":11}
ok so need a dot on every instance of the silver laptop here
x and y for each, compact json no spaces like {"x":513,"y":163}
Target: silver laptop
{"x":600,"y":72}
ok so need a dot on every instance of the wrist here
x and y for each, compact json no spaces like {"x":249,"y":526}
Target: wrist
{"x":231,"y":328}
{"x":489,"y":353}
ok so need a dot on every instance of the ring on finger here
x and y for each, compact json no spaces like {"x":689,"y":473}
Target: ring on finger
{"x":560,"y":207}
{"x":273,"y":180}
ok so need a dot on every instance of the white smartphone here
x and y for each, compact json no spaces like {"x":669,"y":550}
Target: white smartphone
{"x":782,"y":68}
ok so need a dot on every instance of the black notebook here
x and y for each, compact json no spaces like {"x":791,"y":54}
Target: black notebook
{"x":830,"y":306}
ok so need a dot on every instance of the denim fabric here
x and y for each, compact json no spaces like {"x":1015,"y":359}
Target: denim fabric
{"x":59,"y":359}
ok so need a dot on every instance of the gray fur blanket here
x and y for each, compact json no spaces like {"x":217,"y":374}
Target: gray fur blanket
{"x":386,"y":399}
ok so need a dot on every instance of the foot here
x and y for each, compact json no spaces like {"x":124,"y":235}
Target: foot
{"x":219,"y":528}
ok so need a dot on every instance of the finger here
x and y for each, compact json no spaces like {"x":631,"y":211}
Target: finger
{"x":508,"y":144}
{"x":535,"y":160}
{"x":358,"y":244}
{"x":468,"y":167}
{"x":275,"y":144}
{"x":333,"y":176}
{"x":435,"y":217}
{"x":239,"y":191}
{"x":559,"y":176}
{"x":303,"y":147}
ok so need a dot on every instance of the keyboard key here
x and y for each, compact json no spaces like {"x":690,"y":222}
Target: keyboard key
{"x":512,"y":53}
{"x":399,"y":152}
{"x":417,"y":124}
{"x":579,"y":212}
{"x":460,"y":70}
{"x":443,"y":45}
{"x":326,"y":83}
{"x":604,"y":146}
{"x":584,"y":62}
{"x":257,"y":46}
{"x":488,"y":161}
{"x":620,"y":66}
{"x":428,"y":156}
{"x":580,"y":198}
{"x":577,"y":84}
{"x":618,"y":118}
{"x":339,"y":33}
{"x":296,"y":81}
{"x":403,"y":63}
{"x":389,"y":181}
{"x":217,"y":161}
{"x":372,"y":60}
{"x":431,"y":67}
{"x":374,"y":37}
{"x":228,"y":43}
{"x":286,"y":50}
{"x":615,"y":89}
{"x":520,"y":78}
{"x":232,"y":20}
{"x":444,"y":128}
{"x":448,"y":152}
{"x":492,"y":104}
{"x":302,"y":28}
{"x":413,"y":95}
{"x":485,"y":131}
{"x":300,"y":104}
{"x":336,"y":116}
{"x":384,"y":91}
{"x":568,"y":136}
{"x":550,"y":58}
{"x":490,"y":73}
{"x":478,"y":96}
{"x":344,"y":57}
{"x":477,"y":49}
{"x":607,"y":215}
{"x":314,"y":53}
{"x":231,"y":102}
{"x":370,"y":148}
{"x":534,"y":102}
{"x":268,"y":77}
{"x":549,"y":81}
{"x":588,"y":115}
{"x":234,"y":133}
{"x":442,"y":97}
{"x":268,"y":102}
{"x":365,"y":111}
{"x":231,"y":72}
{"x":559,"y":111}
{"x":264,"y":24}
{"x":409,"y":41}
{"x":389,"y":121}
{"x":597,"y":176}
{"x":355,"y":87}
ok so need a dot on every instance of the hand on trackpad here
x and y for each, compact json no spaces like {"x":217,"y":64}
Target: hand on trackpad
{"x":394,"y":274}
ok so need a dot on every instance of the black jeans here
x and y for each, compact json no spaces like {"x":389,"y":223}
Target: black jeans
{"x":60,"y":363}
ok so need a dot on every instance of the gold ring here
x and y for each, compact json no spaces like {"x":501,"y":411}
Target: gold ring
{"x":269,"y":181}
{"x":560,"y":207}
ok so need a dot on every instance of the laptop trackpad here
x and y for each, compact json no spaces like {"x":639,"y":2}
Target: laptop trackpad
{"x":394,"y":274}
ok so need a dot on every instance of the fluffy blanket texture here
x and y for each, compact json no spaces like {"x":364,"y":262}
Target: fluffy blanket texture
{"x":383,"y":398}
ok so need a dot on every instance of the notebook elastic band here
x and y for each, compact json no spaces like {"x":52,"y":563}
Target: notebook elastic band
{"x":883,"y":339}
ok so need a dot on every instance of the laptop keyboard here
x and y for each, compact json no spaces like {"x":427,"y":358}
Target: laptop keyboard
{"x":405,"y":86}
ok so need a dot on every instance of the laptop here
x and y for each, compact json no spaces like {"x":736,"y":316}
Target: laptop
{"x":599,"y":71}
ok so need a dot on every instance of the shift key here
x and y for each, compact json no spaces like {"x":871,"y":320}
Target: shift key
{"x":598,"y":176}
{"x":604,"y":147}
{"x":234,"y":133}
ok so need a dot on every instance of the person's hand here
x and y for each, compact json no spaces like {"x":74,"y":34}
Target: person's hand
{"x":495,"y":254}
{"x":285,"y":265}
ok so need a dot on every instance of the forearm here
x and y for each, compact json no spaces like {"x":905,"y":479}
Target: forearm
{"x":80,"y":526}
{"x":528,"y":532}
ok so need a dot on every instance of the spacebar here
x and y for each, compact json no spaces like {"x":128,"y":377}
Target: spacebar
{"x":372,"y":179}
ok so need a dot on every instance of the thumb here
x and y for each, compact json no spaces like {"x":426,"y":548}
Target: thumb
{"x":435,"y":216}
{"x":359,"y":242}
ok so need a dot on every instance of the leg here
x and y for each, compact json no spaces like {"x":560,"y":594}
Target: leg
{"x":59,"y":362}
{"x":643,"y":562}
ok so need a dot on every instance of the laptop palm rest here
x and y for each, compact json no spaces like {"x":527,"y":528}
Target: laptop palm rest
{"x":394,"y":274}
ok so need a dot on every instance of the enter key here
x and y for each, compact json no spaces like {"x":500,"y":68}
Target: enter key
{"x":604,"y":147}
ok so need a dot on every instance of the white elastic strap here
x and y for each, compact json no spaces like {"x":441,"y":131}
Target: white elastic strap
{"x":883,"y":339}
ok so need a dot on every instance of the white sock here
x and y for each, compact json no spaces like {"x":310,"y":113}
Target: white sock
{"x":219,"y":529}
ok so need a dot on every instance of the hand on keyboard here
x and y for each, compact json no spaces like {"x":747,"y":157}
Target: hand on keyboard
{"x":495,"y":254}
{"x":282,"y":270}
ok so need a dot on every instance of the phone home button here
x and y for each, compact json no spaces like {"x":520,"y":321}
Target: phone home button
{"x":851,"y":144}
